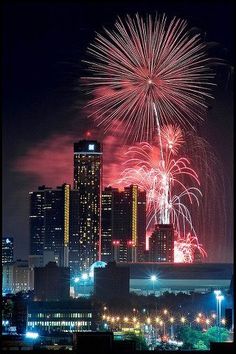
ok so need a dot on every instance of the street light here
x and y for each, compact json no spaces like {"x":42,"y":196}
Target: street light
{"x":153,"y":278}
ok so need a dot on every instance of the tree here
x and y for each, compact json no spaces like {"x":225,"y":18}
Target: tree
{"x":201,"y":345}
{"x":191,"y":337}
{"x":213,"y":335}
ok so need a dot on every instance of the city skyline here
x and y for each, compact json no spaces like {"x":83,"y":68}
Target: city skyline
{"x":27,"y":175}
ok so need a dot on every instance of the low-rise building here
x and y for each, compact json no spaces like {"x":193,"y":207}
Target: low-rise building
{"x":179,"y":277}
{"x":60,"y":316}
{"x":15,"y":277}
{"x":111,"y":281}
{"x":51,"y":282}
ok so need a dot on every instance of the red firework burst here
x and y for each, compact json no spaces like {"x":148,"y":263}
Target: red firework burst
{"x":141,"y":63}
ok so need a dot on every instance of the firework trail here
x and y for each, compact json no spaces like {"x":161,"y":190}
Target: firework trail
{"x":144,"y":167}
{"x":142,"y":63}
{"x":172,"y":181}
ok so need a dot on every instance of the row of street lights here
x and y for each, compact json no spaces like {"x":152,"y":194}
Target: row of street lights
{"x":218,"y":294}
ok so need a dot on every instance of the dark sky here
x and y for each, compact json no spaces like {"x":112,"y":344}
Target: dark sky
{"x":43,"y":45}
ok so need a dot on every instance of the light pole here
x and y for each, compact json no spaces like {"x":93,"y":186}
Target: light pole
{"x":207,"y":323}
{"x":217,"y":293}
{"x":172,"y":328}
{"x":219,"y":298}
{"x":153,"y":278}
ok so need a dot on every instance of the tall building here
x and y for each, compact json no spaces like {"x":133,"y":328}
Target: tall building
{"x":7,"y":250}
{"x":128,"y":219}
{"x":88,"y":181}
{"x":56,"y":222}
{"x":74,"y":254}
{"x":161,"y":243}
{"x":106,"y":224}
{"x":36,"y":221}
{"x":49,"y":222}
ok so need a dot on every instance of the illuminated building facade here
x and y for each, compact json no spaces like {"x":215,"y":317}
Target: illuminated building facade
{"x":107,"y":252}
{"x":60,"y":316}
{"x":7,"y":250}
{"x":74,"y":254}
{"x":15,"y":277}
{"x":161,"y":243}
{"x":36,"y":221}
{"x":88,"y":181}
{"x":49,"y":222}
{"x":129,"y":223}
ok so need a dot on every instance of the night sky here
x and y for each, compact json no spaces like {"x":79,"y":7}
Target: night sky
{"x":43,"y":107}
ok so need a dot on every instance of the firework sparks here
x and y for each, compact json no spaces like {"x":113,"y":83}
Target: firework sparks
{"x":166,"y":191}
{"x":172,"y":138}
{"x":185,"y":248}
{"x":141,"y":63}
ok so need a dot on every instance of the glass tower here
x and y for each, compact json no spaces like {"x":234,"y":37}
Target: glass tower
{"x":88,"y":181}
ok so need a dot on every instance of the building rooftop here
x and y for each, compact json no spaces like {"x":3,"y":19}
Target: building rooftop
{"x":60,"y":305}
{"x":180,"y":270}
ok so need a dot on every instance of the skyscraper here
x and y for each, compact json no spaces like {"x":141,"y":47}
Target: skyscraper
{"x":88,"y":180}
{"x":49,"y":222}
{"x":123,"y":224}
{"x":161,"y":243}
{"x":106,"y":223}
{"x":36,"y":221}
{"x":56,"y":222}
{"x":7,"y":250}
{"x":74,"y":254}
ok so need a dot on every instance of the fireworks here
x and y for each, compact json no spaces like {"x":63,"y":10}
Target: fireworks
{"x":162,"y":180}
{"x":153,"y":78}
{"x":171,"y":185}
{"x":185,"y":248}
{"x":172,"y":138}
{"x":141,"y":63}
